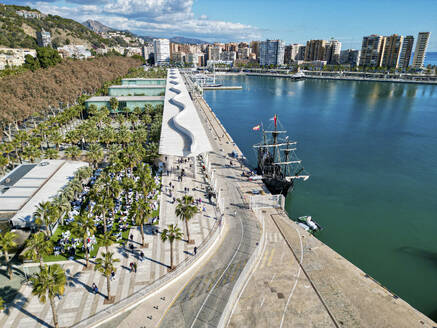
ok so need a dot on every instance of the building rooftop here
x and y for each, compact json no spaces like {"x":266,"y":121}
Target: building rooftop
{"x":182,"y":132}
{"x":136,"y":86}
{"x":143,"y":79}
{"x":40,"y":183}
{"x":127,"y":98}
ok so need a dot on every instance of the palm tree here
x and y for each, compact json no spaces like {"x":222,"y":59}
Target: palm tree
{"x":46,"y":214}
{"x":84,"y":227}
{"x":57,"y":139}
{"x":4,"y":162}
{"x":37,"y":247}
{"x":145,"y":183}
{"x":171,"y":234}
{"x":185,"y":210}
{"x":107,"y":135}
{"x":107,"y":240}
{"x":51,"y":153}
{"x":7,"y":242}
{"x":48,"y":283}
{"x":73,"y":152}
{"x":141,"y":211}
{"x":105,"y":265}
{"x":95,"y":154}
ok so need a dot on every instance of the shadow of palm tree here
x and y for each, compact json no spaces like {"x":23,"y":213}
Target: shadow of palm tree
{"x":15,"y":299}
{"x":73,"y":280}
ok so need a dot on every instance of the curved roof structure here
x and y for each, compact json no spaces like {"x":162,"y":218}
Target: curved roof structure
{"x":182,"y":132}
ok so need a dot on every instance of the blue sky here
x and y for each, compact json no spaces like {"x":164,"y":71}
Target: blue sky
{"x":236,"y":20}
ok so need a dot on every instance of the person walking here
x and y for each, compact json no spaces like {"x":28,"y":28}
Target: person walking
{"x":195,"y":250}
{"x":112,"y":274}
{"x":94,"y":288}
{"x":135,"y":267}
{"x":132,"y":237}
{"x":131,"y":267}
{"x":142,"y":256}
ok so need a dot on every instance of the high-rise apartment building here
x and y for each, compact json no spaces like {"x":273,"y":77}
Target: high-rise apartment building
{"x":254,"y":45}
{"x":214,"y":53}
{"x":271,"y":52}
{"x":407,"y":49}
{"x":291,"y":53}
{"x":350,"y":57}
{"x":161,"y":48}
{"x":372,"y":50}
{"x":419,"y":52}
{"x":392,"y":51}
{"x":43,"y":38}
{"x":332,"y":52}
{"x":315,"y":50}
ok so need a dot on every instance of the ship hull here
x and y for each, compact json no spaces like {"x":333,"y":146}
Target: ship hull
{"x":277,"y":187}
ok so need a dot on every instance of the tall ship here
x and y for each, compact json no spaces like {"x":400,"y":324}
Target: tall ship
{"x":278,"y":164}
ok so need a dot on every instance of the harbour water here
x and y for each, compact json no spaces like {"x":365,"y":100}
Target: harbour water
{"x":371,"y":149}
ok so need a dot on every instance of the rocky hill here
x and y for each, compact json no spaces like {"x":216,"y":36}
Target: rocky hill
{"x":96,"y":26}
{"x":17,"y":31}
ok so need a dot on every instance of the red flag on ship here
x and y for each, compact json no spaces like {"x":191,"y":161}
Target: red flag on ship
{"x":274,"y":119}
{"x":256,"y":127}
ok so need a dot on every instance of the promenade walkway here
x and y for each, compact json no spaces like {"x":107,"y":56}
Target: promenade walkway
{"x":326,"y":290}
{"x":79,"y":302}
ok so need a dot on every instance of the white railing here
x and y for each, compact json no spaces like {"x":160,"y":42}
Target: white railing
{"x":242,"y":280}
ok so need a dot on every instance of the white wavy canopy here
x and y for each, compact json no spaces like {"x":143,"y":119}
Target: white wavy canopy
{"x":182,"y":132}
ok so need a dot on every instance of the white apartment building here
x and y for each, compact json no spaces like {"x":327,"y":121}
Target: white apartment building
{"x":161,"y":48}
{"x":14,"y":57}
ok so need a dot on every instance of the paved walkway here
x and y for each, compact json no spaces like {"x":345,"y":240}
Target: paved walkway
{"x":332,"y":292}
{"x":79,"y":302}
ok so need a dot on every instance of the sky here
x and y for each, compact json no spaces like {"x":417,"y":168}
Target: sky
{"x":244,"y":20}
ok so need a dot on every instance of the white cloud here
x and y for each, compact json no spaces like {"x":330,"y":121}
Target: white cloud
{"x":152,"y":17}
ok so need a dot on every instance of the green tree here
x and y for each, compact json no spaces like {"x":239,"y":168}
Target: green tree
{"x":105,"y":265}
{"x":48,"y":283}
{"x":141,"y":212}
{"x":94,"y":154}
{"x":171,"y":233}
{"x":51,"y":153}
{"x":7,"y":243}
{"x":47,"y":56}
{"x":186,"y":210}
{"x":73,"y":152}
{"x":113,"y":103}
{"x":38,"y":246}
{"x":46,"y":215}
{"x":84,"y":227}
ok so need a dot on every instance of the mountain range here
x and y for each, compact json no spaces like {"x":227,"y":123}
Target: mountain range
{"x":98,"y":27}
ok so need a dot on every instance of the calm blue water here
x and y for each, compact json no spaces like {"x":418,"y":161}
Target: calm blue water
{"x":371,"y":149}
{"x":431,"y":58}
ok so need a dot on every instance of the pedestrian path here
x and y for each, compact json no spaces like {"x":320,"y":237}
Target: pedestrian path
{"x":79,"y":302}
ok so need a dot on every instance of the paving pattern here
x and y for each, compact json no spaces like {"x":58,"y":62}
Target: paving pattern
{"x":79,"y":302}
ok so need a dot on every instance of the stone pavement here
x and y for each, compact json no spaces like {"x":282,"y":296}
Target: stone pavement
{"x":334,"y":294}
{"x":79,"y":302}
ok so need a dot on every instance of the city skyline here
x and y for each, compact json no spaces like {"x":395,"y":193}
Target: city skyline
{"x":293,"y":22}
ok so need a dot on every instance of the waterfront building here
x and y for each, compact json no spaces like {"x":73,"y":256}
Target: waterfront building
{"x":332,"y":52}
{"x":143,"y":81}
{"x":350,"y":57}
{"x":372,"y":50}
{"x":147,"y":51}
{"x":124,"y":103}
{"x":136,"y":90}
{"x":243,"y":53}
{"x":215,"y":53}
{"x":178,"y":57}
{"x":161,"y":49}
{"x":291,"y":53}
{"x":254,"y":45}
{"x":419,"y":52}
{"x":228,"y":56}
{"x":271,"y":52}
{"x":194,"y":58}
{"x":407,"y":48}
{"x":315,"y":50}
{"x":43,"y":38}
{"x":231,"y":46}
{"x":392,"y":51}
{"x":301,"y":53}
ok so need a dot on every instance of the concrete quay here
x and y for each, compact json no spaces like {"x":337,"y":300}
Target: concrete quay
{"x":301,"y":282}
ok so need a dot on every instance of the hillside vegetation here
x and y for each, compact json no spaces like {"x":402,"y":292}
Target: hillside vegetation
{"x":34,"y":92}
{"x":20,"y":32}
